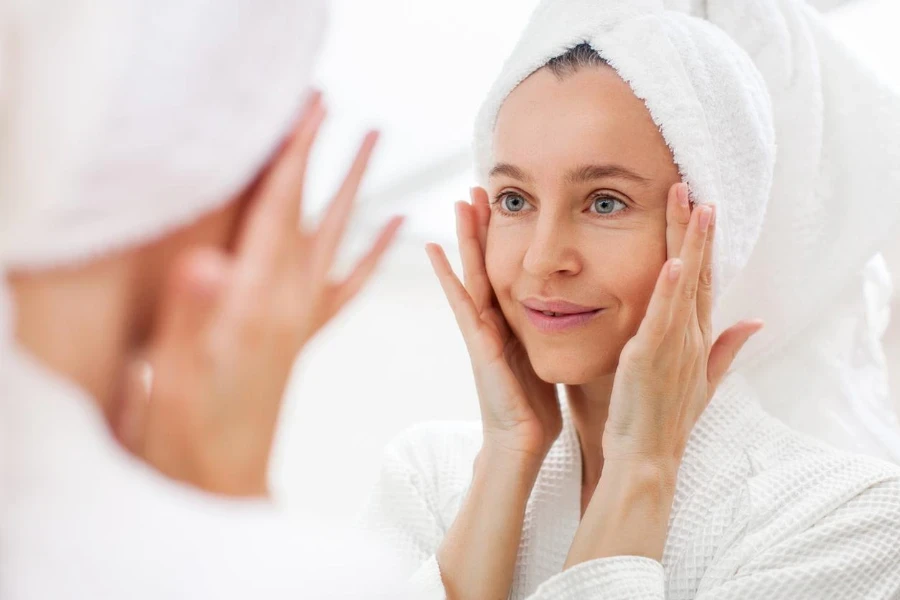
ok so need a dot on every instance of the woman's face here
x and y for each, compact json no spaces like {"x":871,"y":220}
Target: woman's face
{"x":578,"y":219}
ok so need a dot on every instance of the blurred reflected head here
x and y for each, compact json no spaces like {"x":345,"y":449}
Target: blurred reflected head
{"x":578,"y":193}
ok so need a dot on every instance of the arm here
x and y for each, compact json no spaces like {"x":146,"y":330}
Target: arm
{"x":478,"y":556}
{"x":604,"y":562}
{"x":520,"y":420}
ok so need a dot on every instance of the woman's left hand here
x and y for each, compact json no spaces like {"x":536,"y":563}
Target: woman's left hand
{"x":666,"y":376}
{"x":670,"y":369}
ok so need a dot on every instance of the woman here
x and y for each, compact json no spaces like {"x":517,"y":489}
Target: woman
{"x":659,"y":476}
{"x":175,"y":237}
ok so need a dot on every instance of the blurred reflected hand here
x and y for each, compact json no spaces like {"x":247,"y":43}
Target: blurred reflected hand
{"x":231,"y":326}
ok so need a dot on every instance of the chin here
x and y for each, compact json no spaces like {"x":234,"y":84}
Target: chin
{"x":576,"y":367}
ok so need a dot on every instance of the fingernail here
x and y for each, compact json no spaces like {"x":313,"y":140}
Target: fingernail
{"x":675,"y":269}
{"x":683,"y":195}
{"x":705,"y":217}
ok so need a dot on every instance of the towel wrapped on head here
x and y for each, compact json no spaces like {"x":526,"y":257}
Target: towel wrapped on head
{"x":701,"y":89}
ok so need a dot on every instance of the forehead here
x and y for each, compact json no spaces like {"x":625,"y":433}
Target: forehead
{"x":589,"y":116}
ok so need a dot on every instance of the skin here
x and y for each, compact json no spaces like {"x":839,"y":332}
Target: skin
{"x":219,"y":309}
{"x":638,"y":374}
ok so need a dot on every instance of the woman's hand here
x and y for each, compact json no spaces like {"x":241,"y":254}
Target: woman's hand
{"x":667,"y":374}
{"x":232,"y":325}
{"x":520,"y":412}
{"x":670,"y":369}
{"x":521,"y":419}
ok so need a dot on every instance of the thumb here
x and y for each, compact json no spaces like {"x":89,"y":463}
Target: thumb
{"x":727,"y":347}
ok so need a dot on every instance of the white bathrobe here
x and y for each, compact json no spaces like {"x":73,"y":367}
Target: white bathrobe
{"x":760,"y":511}
{"x":80,"y":518}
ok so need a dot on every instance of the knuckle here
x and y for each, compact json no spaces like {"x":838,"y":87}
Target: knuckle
{"x":630,"y":353}
{"x":706,"y":276}
{"x":690,"y":291}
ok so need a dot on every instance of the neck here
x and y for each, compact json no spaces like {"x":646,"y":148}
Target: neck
{"x":77,"y":322}
{"x":589,"y":408}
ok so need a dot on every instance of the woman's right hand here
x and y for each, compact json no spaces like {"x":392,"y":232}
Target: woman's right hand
{"x":520,"y":418}
{"x":520,"y":412}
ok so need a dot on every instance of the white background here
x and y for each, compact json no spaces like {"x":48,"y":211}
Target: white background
{"x":417,"y":70}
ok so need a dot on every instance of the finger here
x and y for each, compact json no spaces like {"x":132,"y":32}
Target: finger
{"x":464,"y":310}
{"x":474,"y":273}
{"x":655,"y":324}
{"x":331,"y":230}
{"x":480,"y":202}
{"x":364,"y":269}
{"x":705,"y":284}
{"x":678,"y":215}
{"x":692,"y":257}
{"x":275,"y":217}
{"x":726,"y":349}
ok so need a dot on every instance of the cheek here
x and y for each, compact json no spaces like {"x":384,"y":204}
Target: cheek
{"x":506,"y":247}
{"x":632,"y":273}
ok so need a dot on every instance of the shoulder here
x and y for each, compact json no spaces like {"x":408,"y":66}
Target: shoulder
{"x":779,"y":452}
{"x":796,"y":482}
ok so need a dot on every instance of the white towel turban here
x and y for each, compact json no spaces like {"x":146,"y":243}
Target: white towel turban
{"x":203,"y":94}
{"x":701,"y":89}
{"x":794,"y":231}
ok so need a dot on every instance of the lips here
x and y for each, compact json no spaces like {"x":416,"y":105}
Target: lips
{"x":552,"y":316}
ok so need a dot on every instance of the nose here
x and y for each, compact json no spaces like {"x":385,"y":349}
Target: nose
{"x":552,"y":250}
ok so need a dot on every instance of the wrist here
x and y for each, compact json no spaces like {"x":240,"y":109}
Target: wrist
{"x":639,"y":477}
{"x":499,"y":458}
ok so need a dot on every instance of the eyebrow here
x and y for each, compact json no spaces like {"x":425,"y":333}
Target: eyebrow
{"x":510,"y":171}
{"x":590,"y":173}
{"x":584,"y":174}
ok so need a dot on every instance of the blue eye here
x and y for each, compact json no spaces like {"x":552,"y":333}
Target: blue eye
{"x":513,"y":203}
{"x":607,"y":205}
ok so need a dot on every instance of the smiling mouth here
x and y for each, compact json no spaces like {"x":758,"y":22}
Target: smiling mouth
{"x":548,"y":321}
